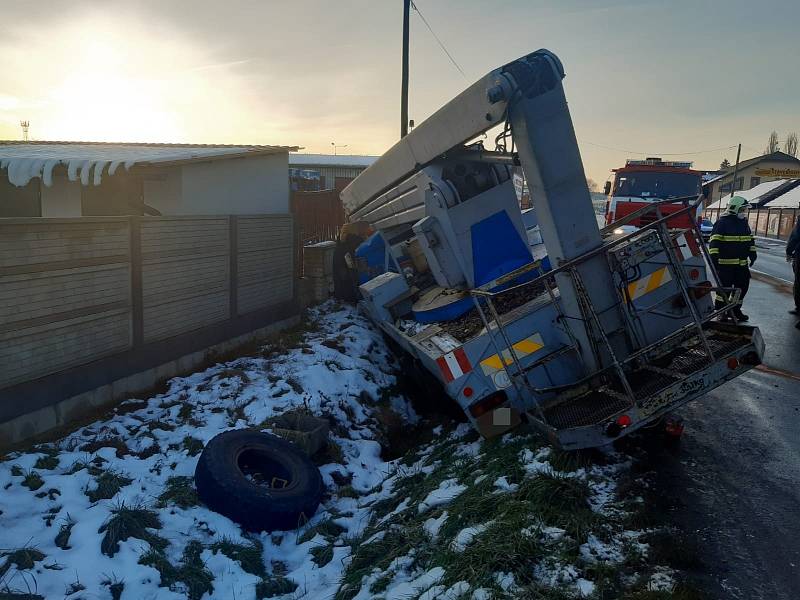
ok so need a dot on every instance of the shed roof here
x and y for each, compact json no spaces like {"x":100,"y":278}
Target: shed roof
{"x":752,"y":195}
{"x":777,"y":156}
{"x":332,"y":160}
{"x":87,"y":161}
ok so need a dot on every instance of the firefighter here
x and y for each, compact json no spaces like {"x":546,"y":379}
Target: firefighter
{"x":793,"y":256}
{"x":731,"y":248}
{"x":345,"y":275}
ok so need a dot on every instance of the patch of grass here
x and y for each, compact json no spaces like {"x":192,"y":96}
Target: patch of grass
{"x":191,"y":571}
{"x":673,"y":548}
{"x":108,"y":484}
{"x":347,"y":491}
{"x":74,"y":587}
{"x":17,"y":471}
{"x":52,"y":494}
{"x":33,"y":481}
{"x":327,"y":529}
{"x":249,"y":556}
{"x":274,"y":586}
{"x":180,"y":492}
{"x":48,"y":462}
{"x":160,"y":425}
{"x":192,"y":445}
{"x":115,"y":442}
{"x":322,"y":555}
{"x":22,"y":558}
{"x":130,"y":522}
{"x":297,"y":388}
{"x":62,"y":537}
{"x":561,"y":501}
{"x":115,"y":586}
{"x":151,"y":450}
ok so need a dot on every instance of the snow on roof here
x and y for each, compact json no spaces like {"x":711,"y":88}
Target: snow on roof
{"x":749,"y":195}
{"x":331,"y":160}
{"x":790,"y":199}
{"x":87,"y":161}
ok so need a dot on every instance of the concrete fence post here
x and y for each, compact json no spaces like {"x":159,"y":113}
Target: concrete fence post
{"x":233,"y":270}
{"x":137,"y":299}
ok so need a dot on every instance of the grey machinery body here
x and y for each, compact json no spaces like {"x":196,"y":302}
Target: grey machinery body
{"x":618,"y":332}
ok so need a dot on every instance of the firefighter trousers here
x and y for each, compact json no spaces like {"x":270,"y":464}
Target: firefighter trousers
{"x":730,"y":276}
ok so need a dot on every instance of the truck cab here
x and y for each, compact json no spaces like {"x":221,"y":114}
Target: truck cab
{"x":642,"y":182}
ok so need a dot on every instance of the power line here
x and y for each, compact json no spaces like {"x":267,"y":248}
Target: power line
{"x":436,"y":37}
{"x":660,"y":153}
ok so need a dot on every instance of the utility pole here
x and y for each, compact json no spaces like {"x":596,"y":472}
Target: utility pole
{"x":736,"y":169}
{"x":404,"y":84}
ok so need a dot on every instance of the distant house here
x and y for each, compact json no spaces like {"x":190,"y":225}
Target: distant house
{"x":751,"y":173}
{"x":73,"y":179}
{"x":334,"y":171}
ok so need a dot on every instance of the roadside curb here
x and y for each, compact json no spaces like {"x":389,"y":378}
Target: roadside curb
{"x":779,"y":282}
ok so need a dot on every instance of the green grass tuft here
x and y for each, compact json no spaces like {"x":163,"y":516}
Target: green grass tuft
{"x":322,"y":555}
{"x":327,"y":529}
{"x":22,"y":558}
{"x":274,"y":586}
{"x":249,"y":556}
{"x":33,"y":481}
{"x":62,"y":537}
{"x":180,"y":492}
{"x":130,"y":522}
{"x":48,"y":462}
{"x":192,"y":445}
{"x":191,"y":571}
{"x":108,"y":484}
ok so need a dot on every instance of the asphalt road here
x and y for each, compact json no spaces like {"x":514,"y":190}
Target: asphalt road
{"x":772,"y":259}
{"x":736,"y":480}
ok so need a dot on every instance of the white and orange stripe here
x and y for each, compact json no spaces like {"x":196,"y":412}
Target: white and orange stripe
{"x":454,"y":364}
{"x":648,"y":283}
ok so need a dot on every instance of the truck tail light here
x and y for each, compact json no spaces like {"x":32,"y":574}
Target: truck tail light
{"x":701,"y":290}
{"x":488,"y":403}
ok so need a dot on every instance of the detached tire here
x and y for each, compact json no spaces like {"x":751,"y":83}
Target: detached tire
{"x":258,"y":480}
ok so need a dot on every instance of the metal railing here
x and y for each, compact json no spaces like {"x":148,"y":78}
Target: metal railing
{"x":487,"y":294}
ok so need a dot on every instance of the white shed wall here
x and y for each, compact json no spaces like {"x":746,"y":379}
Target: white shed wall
{"x":62,"y":199}
{"x":162,"y":190}
{"x":237,"y":186}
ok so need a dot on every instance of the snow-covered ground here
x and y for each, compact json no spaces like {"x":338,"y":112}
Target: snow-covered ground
{"x":109,"y":511}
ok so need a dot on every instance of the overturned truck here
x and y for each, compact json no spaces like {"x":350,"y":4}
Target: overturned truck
{"x":538,"y":317}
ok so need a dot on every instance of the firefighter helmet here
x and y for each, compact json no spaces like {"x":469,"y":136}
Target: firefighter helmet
{"x":736,"y":205}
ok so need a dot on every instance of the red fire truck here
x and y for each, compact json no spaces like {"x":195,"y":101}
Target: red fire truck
{"x":642,"y":181}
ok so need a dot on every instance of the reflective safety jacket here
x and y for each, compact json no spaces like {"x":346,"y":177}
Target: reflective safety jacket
{"x":732,"y":243}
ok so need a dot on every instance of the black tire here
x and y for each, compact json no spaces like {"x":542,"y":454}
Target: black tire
{"x":222,"y":481}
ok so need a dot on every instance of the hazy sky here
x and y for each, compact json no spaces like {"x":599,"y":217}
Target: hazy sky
{"x":642,"y":77}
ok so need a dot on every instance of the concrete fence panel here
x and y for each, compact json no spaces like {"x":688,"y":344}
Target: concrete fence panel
{"x":64,"y":294}
{"x":185,"y":277}
{"x":265,"y":261}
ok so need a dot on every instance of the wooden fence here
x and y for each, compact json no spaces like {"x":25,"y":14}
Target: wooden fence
{"x":766,"y":222}
{"x":73,"y":291}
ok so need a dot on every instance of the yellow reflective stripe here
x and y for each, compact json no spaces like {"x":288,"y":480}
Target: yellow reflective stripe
{"x":752,"y":248}
{"x":731,"y":238}
{"x":713,"y":250}
{"x":733,"y":261}
{"x":522,"y":348}
{"x":648,"y":283}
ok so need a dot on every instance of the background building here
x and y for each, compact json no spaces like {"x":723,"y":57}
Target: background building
{"x":335,"y":171}
{"x":73,"y":179}
{"x":751,"y":173}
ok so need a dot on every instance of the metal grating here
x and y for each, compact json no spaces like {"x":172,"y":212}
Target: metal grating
{"x":591,"y":408}
{"x":597,"y":406}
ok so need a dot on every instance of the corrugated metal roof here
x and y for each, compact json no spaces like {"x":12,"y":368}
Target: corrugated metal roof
{"x":331,"y":160}
{"x":750,"y":195}
{"x":88,"y":161}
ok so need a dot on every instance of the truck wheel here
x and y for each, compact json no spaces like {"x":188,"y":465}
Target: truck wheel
{"x":258,"y":480}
